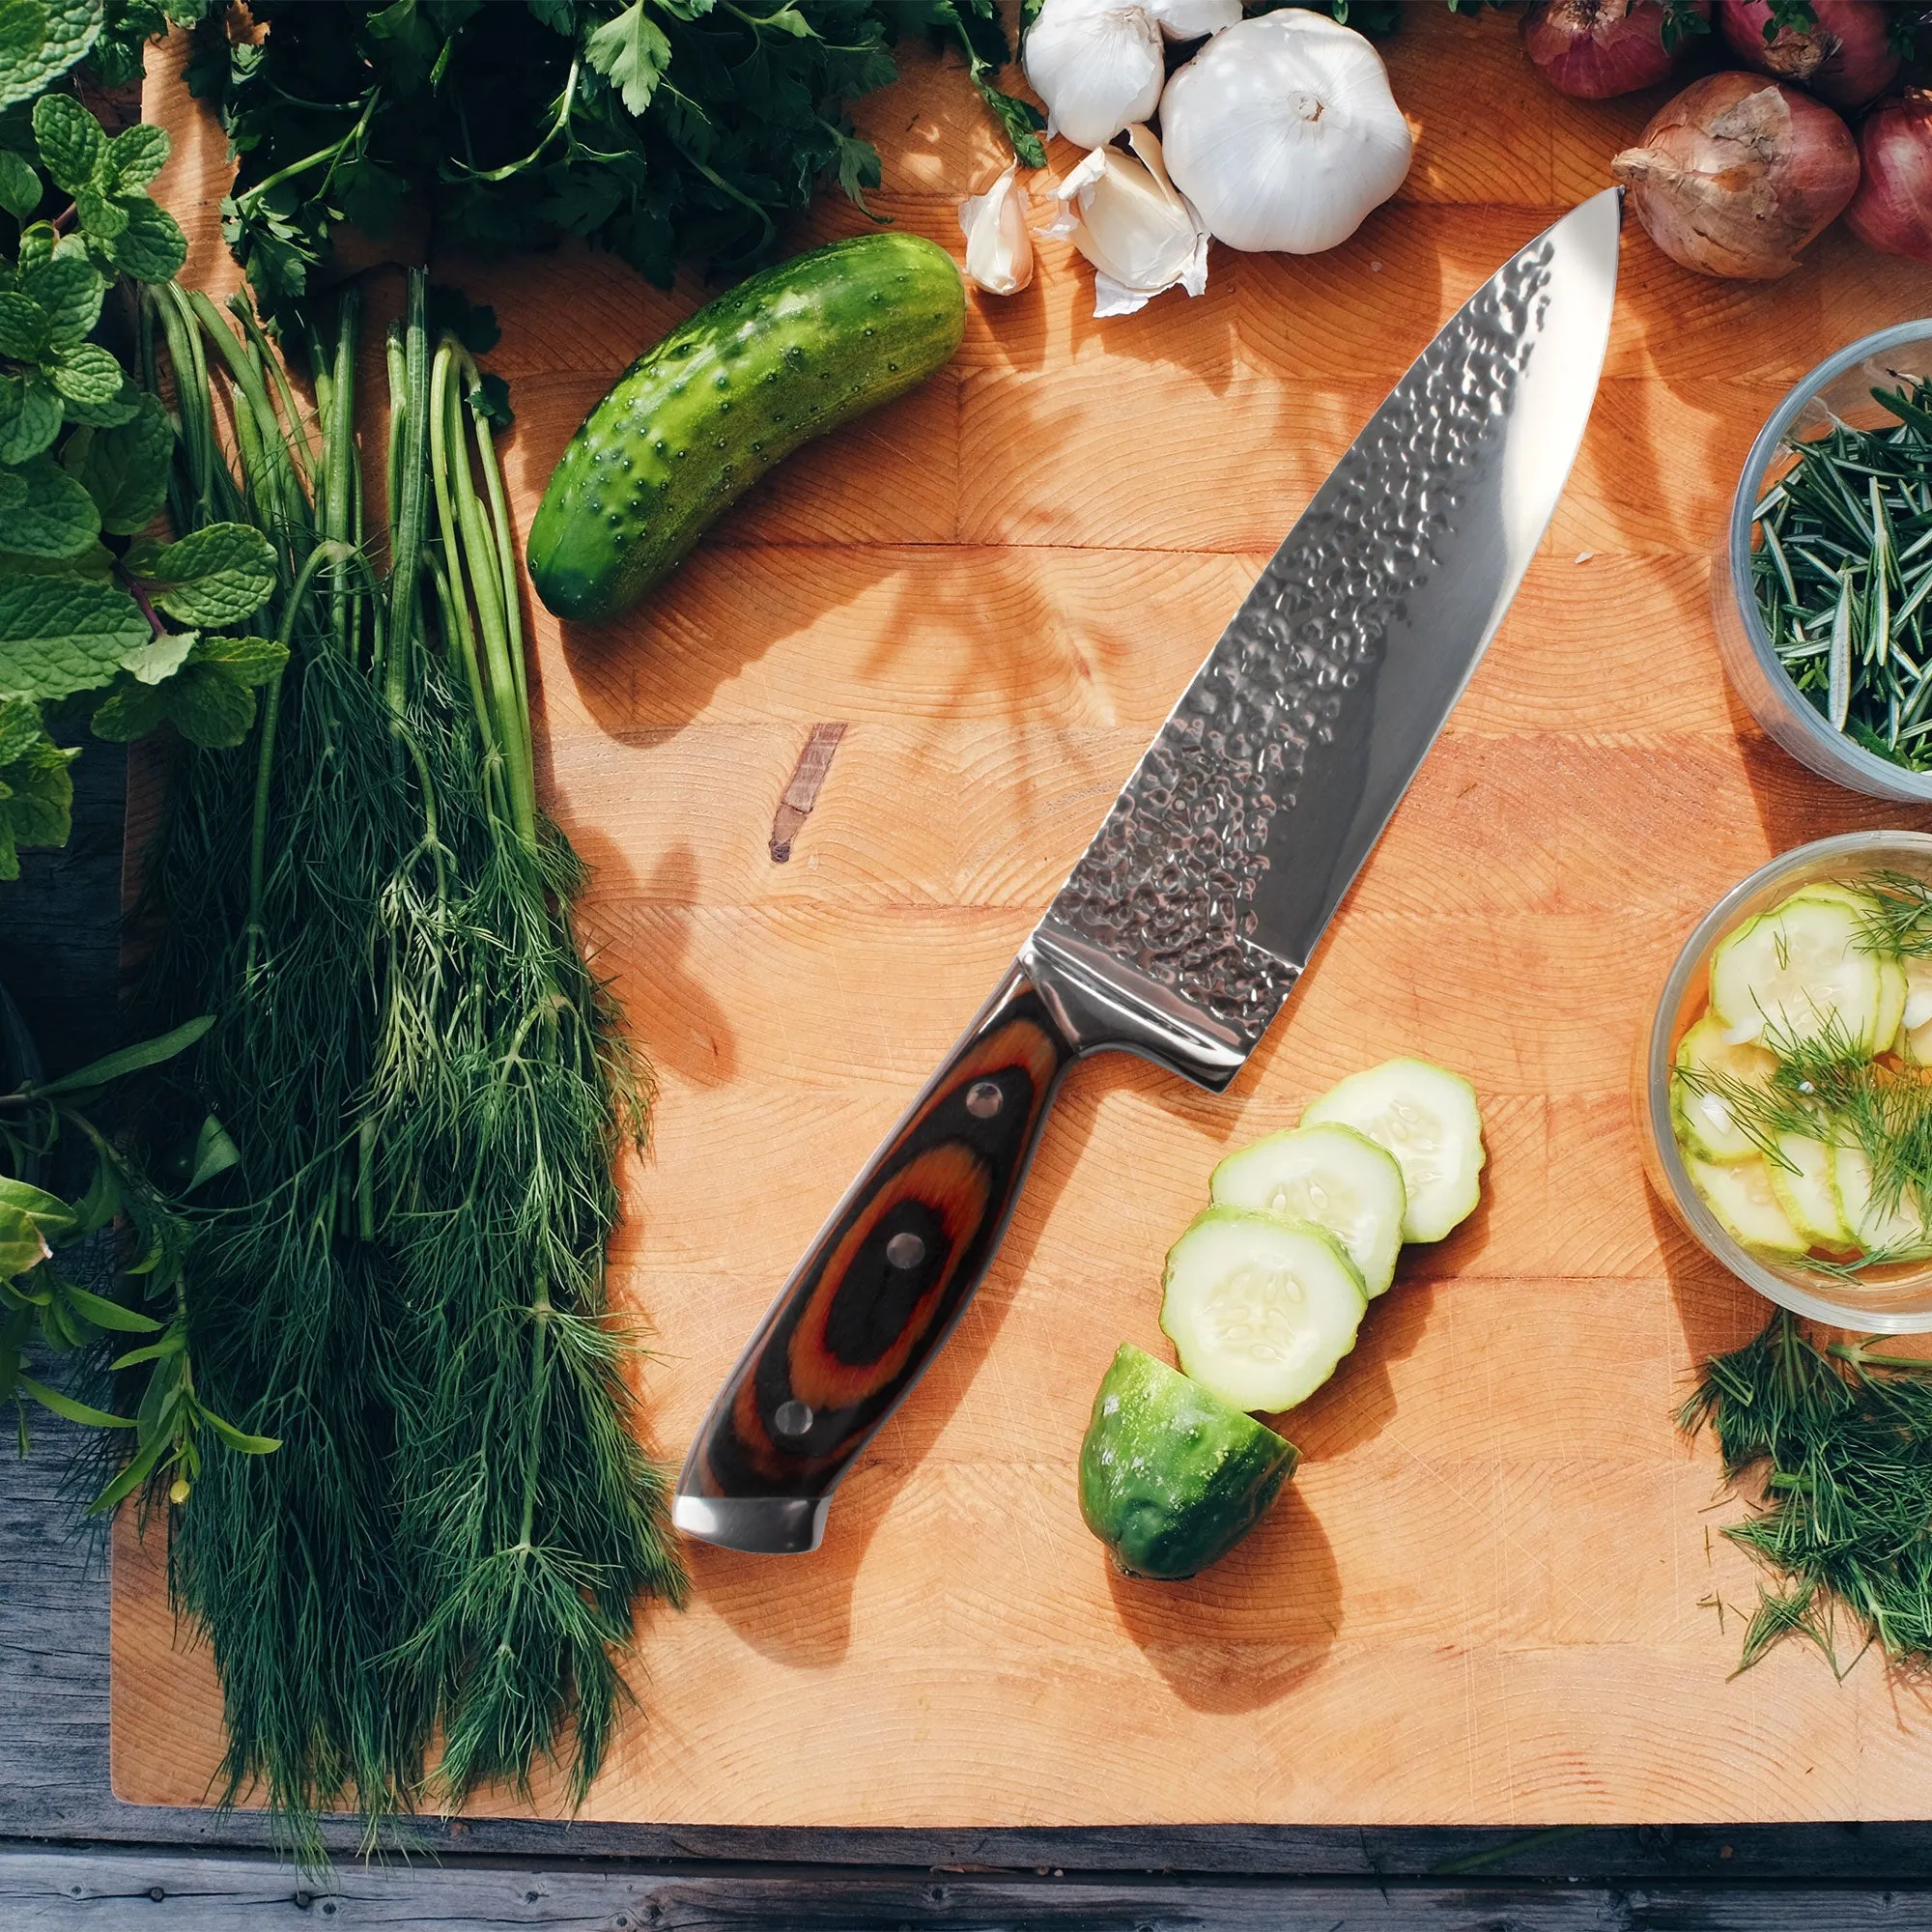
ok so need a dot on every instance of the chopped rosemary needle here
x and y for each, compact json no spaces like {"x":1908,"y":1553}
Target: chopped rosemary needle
{"x":1838,"y":535}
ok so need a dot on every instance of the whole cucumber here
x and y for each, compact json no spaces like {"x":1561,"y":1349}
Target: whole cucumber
{"x":692,"y":424}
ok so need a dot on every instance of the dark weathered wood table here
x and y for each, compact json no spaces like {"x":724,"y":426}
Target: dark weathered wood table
{"x":71,"y":1857}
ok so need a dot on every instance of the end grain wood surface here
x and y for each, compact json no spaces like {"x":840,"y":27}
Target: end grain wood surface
{"x":1492,"y":1595}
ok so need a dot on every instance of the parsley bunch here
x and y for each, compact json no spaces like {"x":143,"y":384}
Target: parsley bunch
{"x":666,"y":130}
{"x":93,"y":625}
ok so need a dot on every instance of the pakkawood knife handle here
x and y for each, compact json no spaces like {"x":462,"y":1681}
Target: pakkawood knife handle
{"x":880,"y":1290}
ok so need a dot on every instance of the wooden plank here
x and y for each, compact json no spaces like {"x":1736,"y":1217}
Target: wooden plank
{"x":111,"y":1892}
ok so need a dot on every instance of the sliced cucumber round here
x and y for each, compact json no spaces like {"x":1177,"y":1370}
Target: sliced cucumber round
{"x":1705,"y":1126}
{"x":1740,"y":1194}
{"x":1428,"y":1119}
{"x":1330,"y":1175}
{"x":1795,"y":971}
{"x":1897,"y":1230}
{"x":1805,"y":1177}
{"x":1917,"y":1014}
{"x":1261,"y":1310}
{"x":1894,"y":990}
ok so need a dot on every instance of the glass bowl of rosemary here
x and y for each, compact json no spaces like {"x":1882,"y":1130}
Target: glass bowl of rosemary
{"x":1798,"y":1089}
{"x":1822,"y":591}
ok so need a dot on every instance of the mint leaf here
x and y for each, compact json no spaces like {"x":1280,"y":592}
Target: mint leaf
{"x":160,"y":657}
{"x":36,"y":788}
{"x":40,"y":40}
{"x":44,"y":512}
{"x":134,"y":158}
{"x":151,"y":246}
{"x":20,"y":185}
{"x":101,"y":217}
{"x":23,"y":326}
{"x":216,"y":576}
{"x":70,"y":288}
{"x":632,"y":53}
{"x":125,"y":470}
{"x":59,"y":634}
{"x":71,"y":141}
{"x":89,"y":374}
{"x":210,"y":701}
{"x":96,"y":560}
{"x":251,"y":660}
{"x":123,"y":405}
{"x":30,"y":416}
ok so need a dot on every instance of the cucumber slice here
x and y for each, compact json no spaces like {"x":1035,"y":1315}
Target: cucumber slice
{"x":1894,"y":990}
{"x":1794,"y":971}
{"x":1914,"y":1044}
{"x":1331,"y":1175}
{"x":1261,"y":1310}
{"x":1704,"y":1123}
{"x":1171,"y":1477}
{"x":1807,"y":1190}
{"x":1428,"y":1118}
{"x":1917,"y":1014}
{"x":1739,"y":1193}
{"x":1898,"y":1231}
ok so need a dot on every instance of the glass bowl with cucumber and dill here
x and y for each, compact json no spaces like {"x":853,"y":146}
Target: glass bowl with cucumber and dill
{"x":1784,"y":1086}
{"x":1823,"y":589}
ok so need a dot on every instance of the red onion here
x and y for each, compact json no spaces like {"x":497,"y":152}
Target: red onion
{"x":1736,"y":174}
{"x":1594,"y":48}
{"x":1892,"y":208}
{"x":1846,"y":59}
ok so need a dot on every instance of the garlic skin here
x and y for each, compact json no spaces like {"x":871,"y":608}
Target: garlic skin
{"x":1127,"y":218}
{"x":1191,"y":20}
{"x":999,"y":243}
{"x":1098,"y":66}
{"x":1283,"y":133}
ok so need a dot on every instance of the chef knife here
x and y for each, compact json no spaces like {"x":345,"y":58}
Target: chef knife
{"x":1186,"y":922}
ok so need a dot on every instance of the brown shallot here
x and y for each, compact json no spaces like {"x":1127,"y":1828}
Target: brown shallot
{"x":1846,"y":58}
{"x":1592,"y":50}
{"x":1736,"y":174}
{"x":1892,"y":208}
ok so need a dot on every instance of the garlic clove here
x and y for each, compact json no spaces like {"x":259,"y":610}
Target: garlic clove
{"x":1133,"y":224}
{"x":1283,"y":133}
{"x":1191,"y":20}
{"x":1096,"y":64}
{"x":999,"y":243}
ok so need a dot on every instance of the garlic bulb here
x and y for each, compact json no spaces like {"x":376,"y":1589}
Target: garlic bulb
{"x":999,"y":244}
{"x":1283,"y":133}
{"x":1127,"y":218}
{"x":1191,"y":20}
{"x":1098,"y":66}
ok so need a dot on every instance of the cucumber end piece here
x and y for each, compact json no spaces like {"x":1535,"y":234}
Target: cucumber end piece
{"x":1171,"y":1477}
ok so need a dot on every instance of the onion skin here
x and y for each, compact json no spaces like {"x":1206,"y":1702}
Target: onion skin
{"x":1847,"y":59}
{"x":1737,"y":173}
{"x":1892,"y":208}
{"x":1593,"y":49}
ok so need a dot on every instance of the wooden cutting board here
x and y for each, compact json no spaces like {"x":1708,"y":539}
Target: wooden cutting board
{"x":1496,"y":1592}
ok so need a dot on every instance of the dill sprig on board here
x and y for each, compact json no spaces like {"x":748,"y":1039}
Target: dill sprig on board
{"x":1843,"y":1440}
{"x":429,"y":1090}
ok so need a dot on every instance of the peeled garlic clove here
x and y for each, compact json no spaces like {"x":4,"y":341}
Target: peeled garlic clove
{"x":1127,"y":218}
{"x":1283,"y":133}
{"x":1191,"y":20}
{"x":1098,"y":66}
{"x":999,"y":244}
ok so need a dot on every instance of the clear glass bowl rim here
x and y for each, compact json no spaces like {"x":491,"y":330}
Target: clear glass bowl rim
{"x":1750,"y":483}
{"x":1864,"y":847}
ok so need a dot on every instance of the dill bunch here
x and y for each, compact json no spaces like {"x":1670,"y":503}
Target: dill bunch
{"x":429,"y":1090}
{"x":1841,"y":1439}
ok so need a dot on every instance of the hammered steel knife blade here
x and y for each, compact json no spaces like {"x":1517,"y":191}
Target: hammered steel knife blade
{"x":1188,"y":919}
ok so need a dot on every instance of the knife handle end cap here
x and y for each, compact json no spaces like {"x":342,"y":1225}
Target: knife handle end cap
{"x":759,"y":1526}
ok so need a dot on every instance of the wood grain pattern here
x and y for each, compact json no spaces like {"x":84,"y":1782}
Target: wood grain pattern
{"x":1494,"y":1593}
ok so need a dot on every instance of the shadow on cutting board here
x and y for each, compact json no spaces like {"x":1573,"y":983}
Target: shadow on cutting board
{"x":1245,"y":1633}
{"x":816,"y":1629}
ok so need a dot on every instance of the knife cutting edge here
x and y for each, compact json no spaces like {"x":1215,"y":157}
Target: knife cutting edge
{"x":1184,"y":925}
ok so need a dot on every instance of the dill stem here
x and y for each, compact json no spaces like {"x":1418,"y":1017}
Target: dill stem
{"x":265,"y":758}
{"x":339,"y":457}
{"x":407,"y":506}
{"x":298,"y":430}
{"x":282,"y":497}
{"x":506,"y":563}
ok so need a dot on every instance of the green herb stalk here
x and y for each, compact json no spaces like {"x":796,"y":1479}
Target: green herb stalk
{"x":430,"y":1092}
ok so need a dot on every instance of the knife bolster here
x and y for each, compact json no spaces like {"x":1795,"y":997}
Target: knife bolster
{"x":1100,"y":1003}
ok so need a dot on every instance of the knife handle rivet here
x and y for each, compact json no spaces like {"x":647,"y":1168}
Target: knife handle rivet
{"x":905,"y":1250}
{"x":792,"y":1418}
{"x":983,"y":1100}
